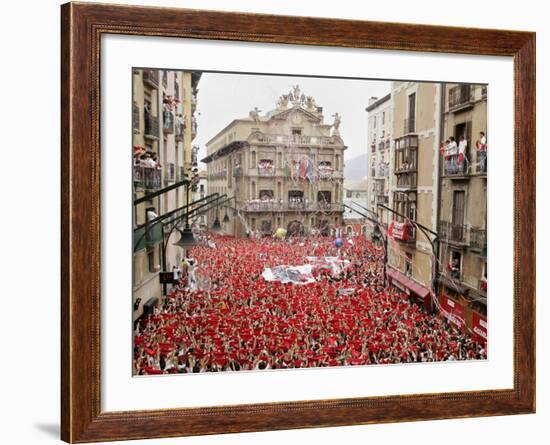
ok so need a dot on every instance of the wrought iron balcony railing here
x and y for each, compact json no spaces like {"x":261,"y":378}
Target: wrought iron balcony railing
{"x":478,"y":238}
{"x":455,"y":165}
{"x":407,"y":181}
{"x":179,"y":129}
{"x":151,"y":77}
{"x":169,"y":171}
{"x":151,"y":126}
{"x":454,"y":233}
{"x":459,"y":96}
{"x":168,"y":122}
{"x":147,"y":177}
{"x":267,"y":171}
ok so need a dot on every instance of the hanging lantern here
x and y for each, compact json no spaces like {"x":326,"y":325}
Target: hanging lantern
{"x":186,"y":238}
{"x":216,"y":226}
{"x":226,"y":218}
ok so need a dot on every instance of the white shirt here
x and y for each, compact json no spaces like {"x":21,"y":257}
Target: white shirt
{"x":452,"y":148}
{"x":462,"y":146}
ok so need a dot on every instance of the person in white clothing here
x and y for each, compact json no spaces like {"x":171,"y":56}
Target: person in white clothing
{"x":462,"y":158}
{"x":452,"y":151}
{"x":190,"y":264}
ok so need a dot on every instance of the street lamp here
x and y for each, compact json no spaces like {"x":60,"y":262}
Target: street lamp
{"x":186,"y":238}
{"x":216,"y":226}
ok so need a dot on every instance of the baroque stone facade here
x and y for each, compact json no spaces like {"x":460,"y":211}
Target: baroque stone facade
{"x":284,"y":168}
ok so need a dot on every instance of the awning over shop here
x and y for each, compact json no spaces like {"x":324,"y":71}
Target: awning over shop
{"x":407,"y":283}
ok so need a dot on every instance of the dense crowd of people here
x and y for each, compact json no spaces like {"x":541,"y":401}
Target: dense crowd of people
{"x":239,"y":321}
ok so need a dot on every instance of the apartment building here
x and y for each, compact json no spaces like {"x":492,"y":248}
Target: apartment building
{"x":380,"y":130}
{"x":164,"y":127}
{"x":463,"y":208}
{"x":413,"y":196}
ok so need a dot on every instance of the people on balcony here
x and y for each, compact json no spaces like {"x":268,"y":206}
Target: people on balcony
{"x":462,"y":160}
{"x":149,"y":160}
{"x":325,"y":169}
{"x":265,"y":167}
{"x":455,"y":155}
{"x":481,"y":146}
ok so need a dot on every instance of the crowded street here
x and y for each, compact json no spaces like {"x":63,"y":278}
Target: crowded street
{"x":230,"y":314}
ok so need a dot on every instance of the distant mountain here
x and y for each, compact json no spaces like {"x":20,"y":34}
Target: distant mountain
{"x":355,"y":168}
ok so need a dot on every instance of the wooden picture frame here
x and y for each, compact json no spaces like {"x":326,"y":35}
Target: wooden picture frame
{"x":82,"y":26}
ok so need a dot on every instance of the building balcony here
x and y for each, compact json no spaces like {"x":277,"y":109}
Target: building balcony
{"x":452,"y":233}
{"x":295,"y":139}
{"x":329,"y":207}
{"x":382,"y":199}
{"x":147,"y":177}
{"x":288,"y":206}
{"x":481,"y":162}
{"x":151,"y":77}
{"x":455,"y":167}
{"x":135,"y":117}
{"x":460,"y":97}
{"x":478,"y":238}
{"x":405,"y":161}
{"x":151,"y":129}
{"x":179,"y":129}
{"x":406,"y":180}
{"x":168,"y":122}
{"x":266,"y":171}
{"x":181,"y":173}
{"x":169,"y":172}
{"x":325,"y":174}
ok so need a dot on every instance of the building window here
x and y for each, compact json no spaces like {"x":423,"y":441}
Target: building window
{"x":383,"y":118}
{"x":348,"y":193}
{"x":459,"y":197}
{"x":410,"y":122}
{"x":297,"y":131}
{"x":324,"y":198}
{"x":455,"y":264}
{"x":408,"y":264}
{"x":266,"y":195}
{"x":374,"y":122}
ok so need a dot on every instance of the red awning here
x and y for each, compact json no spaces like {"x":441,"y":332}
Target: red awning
{"x":405,"y":281}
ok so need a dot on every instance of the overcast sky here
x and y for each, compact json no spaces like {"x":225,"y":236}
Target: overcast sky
{"x":223,"y":97}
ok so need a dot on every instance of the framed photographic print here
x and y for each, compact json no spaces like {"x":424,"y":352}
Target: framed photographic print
{"x":276,"y":222}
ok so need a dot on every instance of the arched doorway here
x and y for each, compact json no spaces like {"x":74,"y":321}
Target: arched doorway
{"x":294,"y":228}
{"x":266,"y":227}
{"x":324,"y":227}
